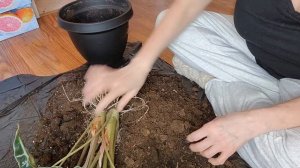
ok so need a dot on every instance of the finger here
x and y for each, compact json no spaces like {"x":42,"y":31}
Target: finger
{"x":220,"y":160}
{"x":125,"y":99}
{"x":86,"y":94}
{"x":93,"y":85}
{"x":90,"y":93}
{"x":111,"y":96}
{"x":197,"y":135}
{"x":210,"y":152}
{"x":201,"y":146}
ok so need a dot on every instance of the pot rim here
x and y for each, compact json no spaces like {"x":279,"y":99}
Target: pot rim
{"x":97,"y":26}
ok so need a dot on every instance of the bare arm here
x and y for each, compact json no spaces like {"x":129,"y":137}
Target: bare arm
{"x":278,"y":117}
{"x":296,"y":4}
{"x":180,"y":14}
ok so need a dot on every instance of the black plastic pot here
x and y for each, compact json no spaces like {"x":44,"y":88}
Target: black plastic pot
{"x":98,"y":29}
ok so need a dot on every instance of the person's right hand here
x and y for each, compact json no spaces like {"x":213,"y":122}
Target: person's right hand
{"x":125,"y":82}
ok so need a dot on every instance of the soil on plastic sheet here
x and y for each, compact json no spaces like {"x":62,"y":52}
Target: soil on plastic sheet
{"x":148,"y":139}
{"x":62,"y":123}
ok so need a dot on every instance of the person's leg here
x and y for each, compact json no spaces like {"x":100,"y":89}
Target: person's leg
{"x":199,"y":77}
{"x":211,"y":44}
{"x":278,"y":148}
{"x":274,"y":149}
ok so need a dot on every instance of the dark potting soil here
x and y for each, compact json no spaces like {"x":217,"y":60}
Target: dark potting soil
{"x":149,"y":140}
{"x":95,"y":15}
{"x":61,"y":125}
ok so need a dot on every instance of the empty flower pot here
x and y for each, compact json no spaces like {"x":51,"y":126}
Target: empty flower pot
{"x":98,"y":29}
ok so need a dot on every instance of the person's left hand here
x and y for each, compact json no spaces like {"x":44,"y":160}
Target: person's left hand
{"x":223,"y":136}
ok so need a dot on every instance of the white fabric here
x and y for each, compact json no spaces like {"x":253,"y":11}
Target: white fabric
{"x":211,"y":45}
{"x":200,"y":77}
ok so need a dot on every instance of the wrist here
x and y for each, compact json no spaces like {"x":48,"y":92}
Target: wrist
{"x":144,"y":61}
{"x":259,"y":121}
{"x":142,"y":64}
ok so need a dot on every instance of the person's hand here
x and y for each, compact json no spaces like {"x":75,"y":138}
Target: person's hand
{"x":223,"y":136}
{"x":125,"y":82}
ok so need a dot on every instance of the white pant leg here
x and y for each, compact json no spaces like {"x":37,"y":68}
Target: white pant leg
{"x":212,"y":44}
{"x":278,"y":149}
{"x":199,"y":76}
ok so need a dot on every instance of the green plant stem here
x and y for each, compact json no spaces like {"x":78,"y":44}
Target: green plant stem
{"x":81,"y":137}
{"x":102,"y":118}
{"x":83,"y":153}
{"x":110,"y":131}
{"x":98,"y":123}
{"x":96,"y":147}
{"x":113,"y":130}
{"x":101,"y":150}
{"x":95,"y":160}
{"x":78,"y":149}
{"x":109,"y":159}
{"x":82,"y":146}
{"x":72,"y":153}
{"x":91,"y":152}
{"x":77,"y":142}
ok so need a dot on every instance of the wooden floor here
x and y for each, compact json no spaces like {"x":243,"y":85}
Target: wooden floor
{"x":48,"y":50}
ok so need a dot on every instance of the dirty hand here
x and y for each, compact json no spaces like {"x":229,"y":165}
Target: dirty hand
{"x":223,"y":136}
{"x":125,"y":82}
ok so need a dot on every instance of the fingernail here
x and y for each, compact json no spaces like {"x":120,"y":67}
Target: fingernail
{"x":187,"y":141}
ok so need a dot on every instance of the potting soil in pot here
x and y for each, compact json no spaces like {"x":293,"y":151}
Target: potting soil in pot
{"x":96,"y":15}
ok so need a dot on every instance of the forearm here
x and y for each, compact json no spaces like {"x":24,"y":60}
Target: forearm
{"x":179,"y":15}
{"x":278,"y":117}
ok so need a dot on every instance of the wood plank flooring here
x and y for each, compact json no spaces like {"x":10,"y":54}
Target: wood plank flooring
{"x":48,"y":50}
